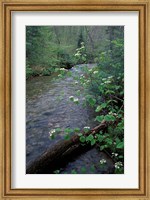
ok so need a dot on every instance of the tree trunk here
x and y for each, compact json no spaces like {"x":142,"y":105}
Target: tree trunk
{"x":61,"y":153}
{"x":90,"y":37}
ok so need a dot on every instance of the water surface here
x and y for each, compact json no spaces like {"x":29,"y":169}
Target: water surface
{"x":48,"y":107}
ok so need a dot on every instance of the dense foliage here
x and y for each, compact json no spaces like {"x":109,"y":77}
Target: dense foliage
{"x":105,"y":85}
{"x":50,"y":47}
{"x":102,"y":85}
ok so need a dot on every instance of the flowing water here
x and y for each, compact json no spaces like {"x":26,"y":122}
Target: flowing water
{"x":48,"y":107}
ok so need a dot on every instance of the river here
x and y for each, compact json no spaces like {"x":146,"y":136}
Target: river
{"x":48,"y":107}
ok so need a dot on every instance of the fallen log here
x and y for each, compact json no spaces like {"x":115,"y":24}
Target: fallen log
{"x":61,"y":153}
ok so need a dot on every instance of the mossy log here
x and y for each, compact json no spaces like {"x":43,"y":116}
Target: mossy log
{"x":59,"y":155}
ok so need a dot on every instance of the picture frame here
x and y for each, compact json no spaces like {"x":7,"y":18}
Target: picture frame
{"x":7,"y":7}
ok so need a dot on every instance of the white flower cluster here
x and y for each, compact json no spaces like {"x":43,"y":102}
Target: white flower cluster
{"x":77,"y":54}
{"x":95,"y":72}
{"x":52,"y":132}
{"x":115,"y":154}
{"x":102,"y":161}
{"x":112,"y":113}
{"x":87,"y":128}
{"x":118,"y":165}
{"x":74,"y":99}
{"x":110,"y":77}
{"x":107,"y":82}
{"x":63,"y":69}
{"x":71,"y":97}
{"x":83,"y":47}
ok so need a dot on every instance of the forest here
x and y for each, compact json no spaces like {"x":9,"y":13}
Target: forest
{"x":74,"y":99}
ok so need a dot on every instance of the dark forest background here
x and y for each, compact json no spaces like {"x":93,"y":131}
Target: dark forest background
{"x":50,"y":47}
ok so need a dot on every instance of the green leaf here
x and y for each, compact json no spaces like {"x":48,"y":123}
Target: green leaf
{"x":52,"y":137}
{"x":82,"y":139}
{"x":93,"y":142}
{"x":102,"y":147}
{"x":71,"y":98}
{"x":99,"y":118}
{"x":86,"y":129}
{"x":92,"y":101}
{"x":68,"y":130}
{"x":111,"y":101}
{"x":109,"y":92}
{"x":67,"y":137}
{"x":73,"y":171}
{"x":78,"y":92}
{"x":76,"y":102}
{"x":92,"y":168}
{"x":109,"y":118}
{"x":89,"y":137}
{"x":100,"y":137}
{"x":83,"y":170}
{"x":76,"y":130}
{"x":117,"y":140}
{"x":120,"y":156}
{"x":98,"y":109}
{"x":120,"y":145}
{"x":109,"y":141}
{"x":80,"y":134}
{"x":57,"y":69}
{"x":103,"y":105}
